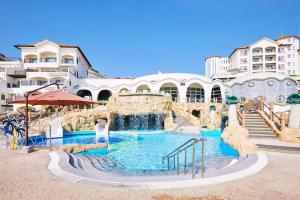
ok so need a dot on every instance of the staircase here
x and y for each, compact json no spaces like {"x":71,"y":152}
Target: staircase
{"x":257,"y":127}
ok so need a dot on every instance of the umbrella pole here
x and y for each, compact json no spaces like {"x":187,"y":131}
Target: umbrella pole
{"x":26,"y":122}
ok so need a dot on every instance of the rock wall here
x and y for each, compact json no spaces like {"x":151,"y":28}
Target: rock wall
{"x":185,"y":110}
{"x":238,"y":138}
{"x":84,"y":120}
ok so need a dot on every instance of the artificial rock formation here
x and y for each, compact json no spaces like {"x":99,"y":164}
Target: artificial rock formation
{"x":238,"y":138}
{"x":186,"y":109}
{"x":142,"y":104}
{"x":84,"y":120}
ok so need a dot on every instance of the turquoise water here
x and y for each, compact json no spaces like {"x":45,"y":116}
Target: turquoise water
{"x":142,"y":155}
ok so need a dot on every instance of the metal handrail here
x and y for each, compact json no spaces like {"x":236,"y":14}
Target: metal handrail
{"x":166,"y":156}
{"x":181,"y":148}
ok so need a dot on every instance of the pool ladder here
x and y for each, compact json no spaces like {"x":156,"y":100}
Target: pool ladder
{"x":183,"y":148}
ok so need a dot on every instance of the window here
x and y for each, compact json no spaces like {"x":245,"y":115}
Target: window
{"x":243,"y":60}
{"x":281,"y":49}
{"x":243,"y":52}
{"x":289,"y":63}
{"x":289,"y":56}
{"x":281,"y":58}
{"x":289,"y":48}
{"x":281,"y":66}
{"x":2,"y":97}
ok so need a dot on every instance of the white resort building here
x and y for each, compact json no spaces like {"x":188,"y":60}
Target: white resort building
{"x":47,"y":62}
{"x":281,"y":56}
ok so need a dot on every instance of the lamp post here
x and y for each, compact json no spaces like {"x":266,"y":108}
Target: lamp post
{"x":26,"y":108}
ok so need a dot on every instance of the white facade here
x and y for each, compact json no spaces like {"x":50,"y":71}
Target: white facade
{"x":42,"y":63}
{"x":265,"y":55}
{"x":48,"y":62}
{"x":216,"y":65}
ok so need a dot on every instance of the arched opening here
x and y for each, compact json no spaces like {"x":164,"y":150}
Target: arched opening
{"x":67,"y":59}
{"x":104,"y":95}
{"x":143,"y":89}
{"x":171,"y":89}
{"x":123,"y":90}
{"x":85,"y":94}
{"x":216,"y":95}
{"x":58,"y":80}
{"x":195,"y":93}
{"x":48,"y":57}
{"x":196,"y":113}
{"x":31,"y":58}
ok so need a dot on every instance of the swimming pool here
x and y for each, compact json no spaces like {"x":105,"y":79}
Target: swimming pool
{"x":142,"y":155}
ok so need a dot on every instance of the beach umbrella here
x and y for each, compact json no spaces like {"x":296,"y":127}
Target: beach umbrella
{"x":57,"y":98}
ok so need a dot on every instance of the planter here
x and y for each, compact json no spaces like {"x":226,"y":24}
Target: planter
{"x":294,"y":118}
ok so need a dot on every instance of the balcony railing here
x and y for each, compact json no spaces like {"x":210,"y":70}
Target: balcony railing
{"x":257,"y":52}
{"x":30,"y":60}
{"x":67,"y":61}
{"x":40,"y":82}
{"x":48,"y":60}
{"x":17,"y":74}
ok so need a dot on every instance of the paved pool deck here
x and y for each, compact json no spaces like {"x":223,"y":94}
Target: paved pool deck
{"x":26,"y":176}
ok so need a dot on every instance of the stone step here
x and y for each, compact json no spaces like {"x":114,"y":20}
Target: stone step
{"x":276,"y":148}
{"x":258,"y":128}
{"x":262,"y":136}
{"x":261,"y":132}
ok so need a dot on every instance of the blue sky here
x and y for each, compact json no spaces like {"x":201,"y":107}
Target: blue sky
{"x":140,"y":37}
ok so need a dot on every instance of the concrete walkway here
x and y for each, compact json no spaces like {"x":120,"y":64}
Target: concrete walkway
{"x":27,"y":177}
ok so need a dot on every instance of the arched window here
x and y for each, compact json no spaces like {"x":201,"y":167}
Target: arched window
{"x":171,"y":89}
{"x":195,"y":93}
{"x":143,"y":89}
{"x":216,"y":94}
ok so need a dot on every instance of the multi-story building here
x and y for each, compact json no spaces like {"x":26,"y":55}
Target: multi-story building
{"x":43,"y":63}
{"x":48,"y":62}
{"x":265,"y":55}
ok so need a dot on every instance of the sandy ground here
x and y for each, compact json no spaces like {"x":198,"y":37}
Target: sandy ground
{"x":27,"y":177}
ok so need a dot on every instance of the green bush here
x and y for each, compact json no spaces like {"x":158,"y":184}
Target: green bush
{"x":293,"y":99}
{"x":231,"y":100}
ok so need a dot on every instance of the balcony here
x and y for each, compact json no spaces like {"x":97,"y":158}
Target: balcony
{"x":270,"y":59}
{"x":257,"y":50}
{"x":30,"y":60}
{"x":17,"y":74}
{"x":270,"y":67}
{"x":270,"y":50}
{"x":257,"y":68}
{"x":257,"y":60}
{"x":48,"y":60}
{"x":13,"y":85}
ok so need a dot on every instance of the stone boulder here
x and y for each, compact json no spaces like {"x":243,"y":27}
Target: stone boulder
{"x":76,"y":148}
{"x":238,"y":138}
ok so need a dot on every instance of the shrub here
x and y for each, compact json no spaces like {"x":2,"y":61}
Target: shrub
{"x":231,"y":100}
{"x":293,"y":99}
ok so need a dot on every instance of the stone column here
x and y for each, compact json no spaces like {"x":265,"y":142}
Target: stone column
{"x":232,"y":115}
{"x":294,"y":118}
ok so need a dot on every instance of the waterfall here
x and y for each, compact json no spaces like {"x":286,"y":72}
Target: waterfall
{"x":139,"y":122}
{"x":101,"y":129}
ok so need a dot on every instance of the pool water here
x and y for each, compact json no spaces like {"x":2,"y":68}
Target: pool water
{"x":142,"y":155}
